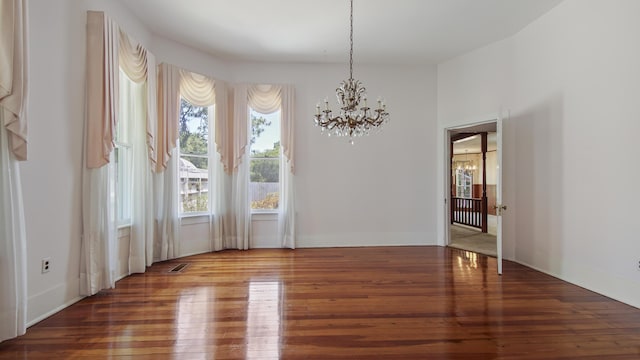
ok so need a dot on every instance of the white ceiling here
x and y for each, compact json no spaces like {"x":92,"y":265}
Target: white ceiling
{"x":312,"y":31}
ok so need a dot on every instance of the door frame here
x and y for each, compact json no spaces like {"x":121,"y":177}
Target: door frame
{"x":445,"y":172}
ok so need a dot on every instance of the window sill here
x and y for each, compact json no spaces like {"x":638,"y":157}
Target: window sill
{"x":123,"y":231}
{"x":264,"y":216}
{"x":123,"y":226}
{"x":192,"y":219}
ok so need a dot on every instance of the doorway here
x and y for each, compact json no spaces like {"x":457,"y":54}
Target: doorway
{"x":473,"y":170}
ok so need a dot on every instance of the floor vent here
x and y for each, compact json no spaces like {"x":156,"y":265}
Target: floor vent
{"x":178,"y":268}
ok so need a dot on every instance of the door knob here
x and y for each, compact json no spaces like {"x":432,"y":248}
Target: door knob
{"x":500,"y":208}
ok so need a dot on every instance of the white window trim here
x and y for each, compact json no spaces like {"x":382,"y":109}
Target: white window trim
{"x":124,"y":222}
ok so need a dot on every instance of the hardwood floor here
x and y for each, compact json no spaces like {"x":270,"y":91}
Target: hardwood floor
{"x":371,"y":303}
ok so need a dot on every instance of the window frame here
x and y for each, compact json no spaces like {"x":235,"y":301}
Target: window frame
{"x":464,"y":181}
{"x":123,"y":190}
{"x":251,"y":157}
{"x":208,"y":156}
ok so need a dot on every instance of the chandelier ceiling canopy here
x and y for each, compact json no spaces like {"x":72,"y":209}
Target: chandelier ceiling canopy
{"x":355,"y":118}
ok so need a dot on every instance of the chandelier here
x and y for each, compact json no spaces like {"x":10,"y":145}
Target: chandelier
{"x":354,"y":119}
{"x":467,"y":166}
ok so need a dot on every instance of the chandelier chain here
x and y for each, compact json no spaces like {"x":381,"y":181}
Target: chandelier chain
{"x":351,"y":43}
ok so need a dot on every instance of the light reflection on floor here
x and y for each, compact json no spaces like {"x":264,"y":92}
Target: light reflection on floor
{"x":193,"y":319}
{"x":467,"y":259}
{"x":264,"y":320}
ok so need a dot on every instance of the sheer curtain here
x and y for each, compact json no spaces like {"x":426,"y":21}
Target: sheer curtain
{"x":240,"y":222}
{"x":13,"y":264}
{"x":221,"y":177}
{"x":165,"y":179}
{"x":287,"y":211}
{"x":98,"y":247}
{"x":167,"y":223}
{"x":13,"y":147}
{"x":132,"y":108}
{"x":138,"y":106}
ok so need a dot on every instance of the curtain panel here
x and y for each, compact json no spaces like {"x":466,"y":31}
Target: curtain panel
{"x":102,"y":88}
{"x":167,"y":218}
{"x":240,"y":134}
{"x":138,"y":102}
{"x":13,"y":74}
{"x":133,"y":112}
{"x":287,"y":210}
{"x":13,"y":147}
{"x":287,"y":129}
{"x":165,"y":179}
{"x":98,"y":247}
{"x":13,"y":243}
{"x":140,"y":66}
{"x":168,"y":113}
{"x":223,"y":126}
{"x":239,"y":213}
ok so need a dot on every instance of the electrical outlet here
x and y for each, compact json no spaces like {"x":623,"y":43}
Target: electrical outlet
{"x":46,"y":265}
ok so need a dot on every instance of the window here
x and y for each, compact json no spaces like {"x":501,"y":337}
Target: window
{"x":264,"y":182}
{"x":194,"y":157}
{"x":123,"y":153}
{"x":464,"y":184}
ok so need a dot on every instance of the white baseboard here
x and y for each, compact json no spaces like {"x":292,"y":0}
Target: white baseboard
{"x":619,"y":288}
{"x":191,"y":254}
{"x":48,"y":313}
{"x":366,"y":239}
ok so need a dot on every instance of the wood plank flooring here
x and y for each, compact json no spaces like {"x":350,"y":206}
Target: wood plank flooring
{"x":339,"y":303}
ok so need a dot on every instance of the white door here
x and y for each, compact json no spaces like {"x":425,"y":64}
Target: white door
{"x":500,"y":208}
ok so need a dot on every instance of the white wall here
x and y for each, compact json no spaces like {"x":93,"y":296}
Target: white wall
{"x":571,"y":81}
{"x":189,"y":58}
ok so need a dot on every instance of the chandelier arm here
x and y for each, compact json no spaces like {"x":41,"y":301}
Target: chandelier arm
{"x":375,"y":120}
{"x":329,"y":122}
